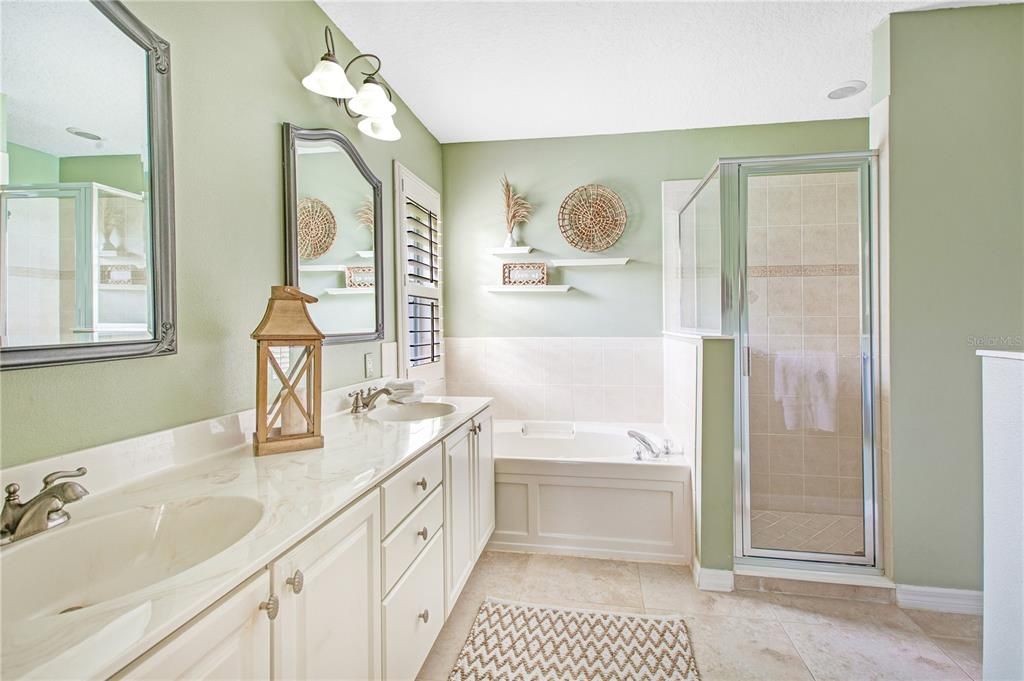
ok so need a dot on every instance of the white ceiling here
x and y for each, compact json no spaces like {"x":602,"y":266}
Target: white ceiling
{"x":514,"y":70}
{"x":63,"y":64}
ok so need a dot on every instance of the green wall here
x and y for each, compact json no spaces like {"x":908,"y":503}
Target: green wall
{"x":123,"y":171}
{"x":621,"y":301}
{"x":31,"y":166}
{"x":236,"y":68}
{"x":957,"y":269}
{"x":714,"y":471}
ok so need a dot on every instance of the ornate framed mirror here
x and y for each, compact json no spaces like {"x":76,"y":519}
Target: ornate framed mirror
{"x":86,"y":186}
{"x":334,"y":233}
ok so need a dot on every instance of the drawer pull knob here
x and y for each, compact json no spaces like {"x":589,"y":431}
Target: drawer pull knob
{"x":271,"y":607}
{"x":423,"y":533}
{"x":422,"y":483}
{"x":425,"y":616}
{"x":296,"y":581}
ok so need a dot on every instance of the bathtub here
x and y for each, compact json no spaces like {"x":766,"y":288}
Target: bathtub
{"x":576,"y":488}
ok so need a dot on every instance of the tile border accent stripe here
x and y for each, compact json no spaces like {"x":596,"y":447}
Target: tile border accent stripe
{"x":803,"y":270}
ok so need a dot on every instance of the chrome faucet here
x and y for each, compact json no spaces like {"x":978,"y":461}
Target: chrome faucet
{"x":364,"y":401}
{"x":43,"y":511}
{"x":645,"y":444}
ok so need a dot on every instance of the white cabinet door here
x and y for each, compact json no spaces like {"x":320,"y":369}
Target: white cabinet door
{"x":460,"y":537}
{"x":483,"y":456}
{"x":230,"y":642}
{"x":330,"y":629}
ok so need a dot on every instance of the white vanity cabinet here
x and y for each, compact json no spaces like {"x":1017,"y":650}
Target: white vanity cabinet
{"x":231,"y":641}
{"x":469,"y":501}
{"x":328,"y":590}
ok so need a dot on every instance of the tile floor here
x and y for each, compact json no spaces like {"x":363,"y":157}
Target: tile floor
{"x":739,"y":636}
{"x":819,"y":532}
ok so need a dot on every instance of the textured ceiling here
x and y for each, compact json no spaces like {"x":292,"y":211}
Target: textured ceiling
{"x":63,"y":64}
{"x":513,"y":70}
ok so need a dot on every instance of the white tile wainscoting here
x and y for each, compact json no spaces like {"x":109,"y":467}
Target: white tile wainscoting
{"x":616,"y":379}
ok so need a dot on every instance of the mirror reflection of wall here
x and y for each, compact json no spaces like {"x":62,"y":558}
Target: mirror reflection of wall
{"x":74,"y":183}
{"x":335,"y":234}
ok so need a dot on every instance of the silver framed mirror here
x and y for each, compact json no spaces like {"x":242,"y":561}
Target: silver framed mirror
{"x":87,"y":186}
{"x":334,"y":233}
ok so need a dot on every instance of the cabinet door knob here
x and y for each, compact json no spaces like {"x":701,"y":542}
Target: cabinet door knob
{"x":425,"y":616}
{"x":422,"y":483}
{"x":423,"y":533}
{"x":296,"y":581}
{"x":477,"y":428}
{"x":271,"y":607}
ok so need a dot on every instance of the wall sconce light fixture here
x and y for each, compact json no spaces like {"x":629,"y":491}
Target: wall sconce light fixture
{"x":371,"y":103}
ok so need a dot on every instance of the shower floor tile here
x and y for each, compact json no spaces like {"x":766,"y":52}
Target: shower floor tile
{"x":817,"y":532}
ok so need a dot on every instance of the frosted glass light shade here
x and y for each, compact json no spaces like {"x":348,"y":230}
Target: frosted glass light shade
{"x":381,"y":128}
{"x":328,"y":79}
{"x":372,"y":101}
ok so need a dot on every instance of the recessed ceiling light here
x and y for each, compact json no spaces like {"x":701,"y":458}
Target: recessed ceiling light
{"x":848,"y":89}
{"x":78,"y":132}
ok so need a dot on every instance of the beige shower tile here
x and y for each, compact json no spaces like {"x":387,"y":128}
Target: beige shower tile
{"x":820,"y":326}
{"x":851,"y":456}
{"x":946,"y":623}
{"x":848,"y":244}
{"x":819,"y":296}
{"x":848,"y":177}
{"x":785,"y":297}
{"x":820,"y":344}
{"x":818,"y":179}
{"x":760,"y":415}
{"x":821,"y":494}
{"x":848,"y":346}
{"x":757,"y":297}
{"x":760,"y":453}
{"x":784,"y":245}
{"x":788,"y":180}
{"x":779,"y":344}
{"x":966,"y":652}
{"x":785,"y":326}
{"x":841,"y":654}
{"x":848,"y":203}
{"x":787,"y":493}
{"x":786,"y":455}
{"x":757,"y":206}
{"x":849,"y":373}
{"x":566,"y":579}
{"x":821,"y":456}
{"x":819,"y":205}
{"x":671,"y":587}
{"x":848,"y":325}
{"x":848,"y":295}
{"x":760,"y":383}
{"x":735,"y":649}
{"x":784,"y":205}
{"x":819,"y":245}
{"x":848,"y":421}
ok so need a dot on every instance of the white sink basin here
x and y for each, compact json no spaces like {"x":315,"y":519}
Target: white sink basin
{"x":411,"y":412}
{"x":82,"y":564}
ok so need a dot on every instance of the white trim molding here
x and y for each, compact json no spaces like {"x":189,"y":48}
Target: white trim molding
{"x":962,"y":601}
{"x":844,"y":575}
{"x":707,"y":579}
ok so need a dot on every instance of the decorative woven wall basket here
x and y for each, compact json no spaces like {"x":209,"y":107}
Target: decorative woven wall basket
{"x":317,"y":228}
{"x":592,"y":218}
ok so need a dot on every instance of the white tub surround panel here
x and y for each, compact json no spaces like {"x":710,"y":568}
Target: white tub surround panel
{"x":585,"y":495}
{"x":1003,"y":479}
{"x":561,"y":378}
{"x":302,"y":494}
{"x":680,"y":390}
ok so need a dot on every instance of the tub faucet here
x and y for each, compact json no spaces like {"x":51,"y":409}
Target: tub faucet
{"x":644,"y":442}
{"x":43,"y":511}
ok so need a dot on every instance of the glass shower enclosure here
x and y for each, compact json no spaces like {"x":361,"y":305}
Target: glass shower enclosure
{"x":778,"y":252}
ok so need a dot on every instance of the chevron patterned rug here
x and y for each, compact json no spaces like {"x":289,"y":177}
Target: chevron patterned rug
{"x":519,"y":642}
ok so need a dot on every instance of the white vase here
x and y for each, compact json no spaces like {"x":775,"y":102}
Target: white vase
{"x":512,"y":238}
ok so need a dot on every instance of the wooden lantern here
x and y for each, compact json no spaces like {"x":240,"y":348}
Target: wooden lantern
{"x":289,"y":348}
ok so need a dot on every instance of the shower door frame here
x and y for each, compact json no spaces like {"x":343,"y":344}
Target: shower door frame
{"x":734,"y":173}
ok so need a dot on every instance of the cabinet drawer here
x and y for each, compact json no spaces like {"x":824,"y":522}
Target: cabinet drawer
{"x":408,"y":487}
{"x":411,"y":537}
{"x":418,"y":596}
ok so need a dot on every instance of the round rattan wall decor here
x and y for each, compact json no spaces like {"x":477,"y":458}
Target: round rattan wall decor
{"x":592,"y":218}
{"x":317,"y":228}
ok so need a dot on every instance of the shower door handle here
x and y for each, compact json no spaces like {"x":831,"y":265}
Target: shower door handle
{"x":746,"y":360}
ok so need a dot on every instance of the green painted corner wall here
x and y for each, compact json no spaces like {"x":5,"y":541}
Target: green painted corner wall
{"x":623,"y":301}
{"x":31,"y":166}
{"x":956,"y":126}
{"x":717,"y":438}
{"x":123,"y":171}
{"x":236,"y":68}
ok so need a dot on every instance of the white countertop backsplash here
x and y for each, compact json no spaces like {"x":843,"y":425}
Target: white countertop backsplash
{"x":299,"y":492}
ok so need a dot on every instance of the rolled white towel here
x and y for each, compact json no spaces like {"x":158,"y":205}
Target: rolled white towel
{"x":397,"y":386}
{"x":406,"y":398}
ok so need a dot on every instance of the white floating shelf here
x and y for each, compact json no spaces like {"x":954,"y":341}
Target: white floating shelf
{"x":364,"y":254}
{"x":514,"y":250}
{"x":353,"y":291}
{"x":322,"y":268}
{"x":122,"y":287}
{"x":548,"y":288}
{"x":588,"y":262}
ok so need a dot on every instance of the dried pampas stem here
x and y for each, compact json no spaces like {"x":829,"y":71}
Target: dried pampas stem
{"x":517,"y":208}
{"x":364,"y":215}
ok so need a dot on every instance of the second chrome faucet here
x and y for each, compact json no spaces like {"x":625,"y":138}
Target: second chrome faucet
{"x":43,"y":511}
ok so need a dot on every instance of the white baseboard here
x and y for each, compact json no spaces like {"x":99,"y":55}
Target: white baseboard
{"x":961,"y":601}
{"x":707,"y":579}
{"x":587,"y":552}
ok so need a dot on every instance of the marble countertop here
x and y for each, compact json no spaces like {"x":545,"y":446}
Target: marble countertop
{"x":298,"y":491}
